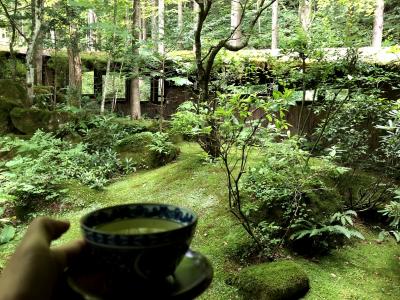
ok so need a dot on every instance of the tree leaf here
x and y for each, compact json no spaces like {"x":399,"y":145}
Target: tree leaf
{"x":7,"y":234}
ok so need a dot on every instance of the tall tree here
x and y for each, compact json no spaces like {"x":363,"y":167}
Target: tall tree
{"x":134,"y":85}
{"x":378,"y":24}
{"x":275,"y":28}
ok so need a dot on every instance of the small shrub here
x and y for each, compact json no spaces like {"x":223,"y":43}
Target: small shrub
{"x":162,"y":148}
{"x":283,"y":192}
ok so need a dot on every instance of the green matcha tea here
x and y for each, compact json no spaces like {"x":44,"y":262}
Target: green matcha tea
{"x":138,"y":226}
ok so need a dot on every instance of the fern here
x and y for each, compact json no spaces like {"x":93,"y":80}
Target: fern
{"x":339,"y":224}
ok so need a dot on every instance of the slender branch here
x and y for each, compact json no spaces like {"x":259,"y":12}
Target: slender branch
{"x":328,"y":118}
{"x":12,"y":21}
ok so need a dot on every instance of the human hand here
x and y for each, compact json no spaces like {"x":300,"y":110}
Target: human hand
{"x":34,"y":270}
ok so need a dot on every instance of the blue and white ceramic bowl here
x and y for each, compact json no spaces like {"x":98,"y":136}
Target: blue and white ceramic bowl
{"x":148,"y":256}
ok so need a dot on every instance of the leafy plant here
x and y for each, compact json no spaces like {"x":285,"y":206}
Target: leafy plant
{"x":163,"y":148}
{"x":392,"y":212}
{"x":327,"y":234}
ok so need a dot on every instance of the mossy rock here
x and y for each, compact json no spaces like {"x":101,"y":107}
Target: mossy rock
{"x":12,"y":95}
{"x":29,"y":120}
{"x":13,"y":92}
{"x":281,"y":280}
{"x":160,"y":159}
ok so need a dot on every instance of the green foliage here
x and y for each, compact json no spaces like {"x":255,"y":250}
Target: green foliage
{"x":33,"y":173}
{"x":390,"y":142}
{"x":9,"y":67}
{"x":392,"y":212}
{"x":42,"y":164}
{"x":190,"y":120}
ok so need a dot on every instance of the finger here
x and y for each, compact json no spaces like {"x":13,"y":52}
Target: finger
{"x":43,"y":230}
{"x":69,"y":253}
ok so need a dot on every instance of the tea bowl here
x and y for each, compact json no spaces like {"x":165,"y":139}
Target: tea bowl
{"x":138,"y":256}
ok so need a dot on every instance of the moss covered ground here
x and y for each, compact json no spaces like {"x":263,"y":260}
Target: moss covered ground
{"x":361,"y":270}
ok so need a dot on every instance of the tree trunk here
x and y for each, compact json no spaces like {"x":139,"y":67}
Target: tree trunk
{"x":161,"y":7}
{"x":275,"y":28}
{"x":259,"y":19}
{"x":134,"y":86}
{"x":154,"y":24}
{"x":91,"y":37}
{"x":196,"y":11}
{"x":305,"y":14}
{"x":12,"y":43}
{"x":378,"y":24}
{"x":144,"y":29}
{"x":180,"y":23}
{"x":37,"y":17}
{"x":105,"y":85}
{"x":39,"y":61}
{"x":74,"y":67}
{"x":236,"y":20}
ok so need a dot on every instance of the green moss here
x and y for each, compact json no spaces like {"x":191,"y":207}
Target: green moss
{"x":272,"y":281}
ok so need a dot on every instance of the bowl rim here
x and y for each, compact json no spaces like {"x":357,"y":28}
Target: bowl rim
{"x":83,"y":226}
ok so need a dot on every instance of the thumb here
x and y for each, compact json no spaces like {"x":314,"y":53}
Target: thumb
{"x":43,"y":230}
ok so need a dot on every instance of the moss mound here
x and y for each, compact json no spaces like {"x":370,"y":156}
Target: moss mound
{"x":281,"y":280}
{"x":29,"y":120}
